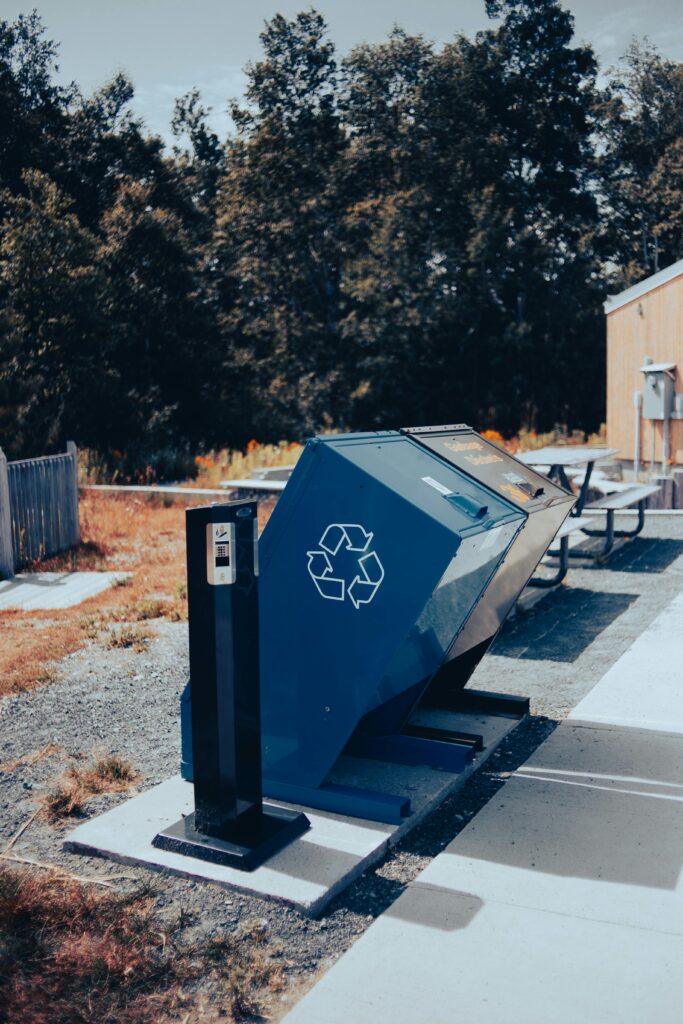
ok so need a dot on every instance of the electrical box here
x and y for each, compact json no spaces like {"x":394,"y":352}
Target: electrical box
{"x":658,"y":390}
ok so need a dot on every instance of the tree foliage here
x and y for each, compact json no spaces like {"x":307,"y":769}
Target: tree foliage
{"x":405,"y":234}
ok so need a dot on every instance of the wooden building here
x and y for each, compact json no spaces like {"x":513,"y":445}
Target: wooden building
{"x":644,"y":321}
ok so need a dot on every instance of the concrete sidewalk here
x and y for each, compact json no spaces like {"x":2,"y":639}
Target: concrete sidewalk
{"x":37,"y":591}
{"x":562,"y":901}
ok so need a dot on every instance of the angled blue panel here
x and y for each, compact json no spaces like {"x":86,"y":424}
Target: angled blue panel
{"x":369,"y":569}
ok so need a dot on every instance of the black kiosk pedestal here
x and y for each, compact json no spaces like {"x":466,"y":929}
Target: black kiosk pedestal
{"x":230,"y":824}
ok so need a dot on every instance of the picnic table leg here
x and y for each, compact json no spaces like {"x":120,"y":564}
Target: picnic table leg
{"x":583,"y":493}
{"x":627,"y":534}
{"x":608,"y":533}
{"x":557,"y":473}
{"x":641,"y":523}
{"x":554,"y":581}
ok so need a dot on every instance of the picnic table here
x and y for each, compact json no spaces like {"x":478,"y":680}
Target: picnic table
{"x":555,"y":462}
{"x":563,"y":457}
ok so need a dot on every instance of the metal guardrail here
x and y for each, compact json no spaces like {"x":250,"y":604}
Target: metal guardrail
{"x":162,"y":489}
{"x":38,"y":508}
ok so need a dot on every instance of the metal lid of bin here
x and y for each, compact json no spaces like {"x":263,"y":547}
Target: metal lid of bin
{"x":459,"y":445}
{"x":449,"y":495}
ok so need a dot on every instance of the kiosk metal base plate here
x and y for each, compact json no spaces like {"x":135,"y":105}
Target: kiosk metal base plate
{"x":246,"y":850}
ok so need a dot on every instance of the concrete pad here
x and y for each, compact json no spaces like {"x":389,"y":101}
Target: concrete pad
{"x":562,"y":900}
{"x":436,"y":957}
{"x":591,"y":825}
{"x":42,"y":590}
{"x":313,"y":869}
{"x":302,"y":874}
{"x":644,"y":688}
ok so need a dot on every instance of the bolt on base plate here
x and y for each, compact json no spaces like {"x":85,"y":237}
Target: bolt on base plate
{"x":246,"y":850}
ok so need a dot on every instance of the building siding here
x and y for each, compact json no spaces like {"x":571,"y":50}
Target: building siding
{"x":650,"y":325}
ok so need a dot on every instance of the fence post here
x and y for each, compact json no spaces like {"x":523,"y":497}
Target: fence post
{"x":6,"y":547}
{"x":74,"y":522}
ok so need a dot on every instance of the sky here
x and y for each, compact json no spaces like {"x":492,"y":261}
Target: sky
{"x":169,"y":46}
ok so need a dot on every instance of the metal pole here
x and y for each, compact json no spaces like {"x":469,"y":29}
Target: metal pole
{"x":665,"y":446}
{"x":6,"y":545}
{"x":230,"y":824}
{"x":637,"y":404}
{"x":74,"y":522}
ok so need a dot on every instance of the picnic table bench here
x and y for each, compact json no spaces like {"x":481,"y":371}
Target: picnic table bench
{"x":555,"y":461}
{"x":569,"y":526}
{"x":624,"y":497}
{"x":272,"y":472}
{"x":251,"y":484}
{"x":563,"y":460}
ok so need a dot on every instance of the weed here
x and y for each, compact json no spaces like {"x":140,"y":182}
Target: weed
{"x":87,"y":555}
{"x":242,"y":969}
{"x":132,"y":637}
{"x":67,"y":798}
{"x":43,"y":675}
{"x":91,"y":625}
{"x":153,"y":609}
{"x":48,"y":674}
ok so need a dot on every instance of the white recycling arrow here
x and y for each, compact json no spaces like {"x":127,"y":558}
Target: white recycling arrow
{"x":365,"y":584}
{"x":352,"y":536}
{"x":320,"y":569}
{"x":363,"y":588}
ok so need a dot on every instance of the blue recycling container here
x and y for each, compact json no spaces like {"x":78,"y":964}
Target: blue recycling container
{"x":545,"y":506}
{"x":380,"y":551}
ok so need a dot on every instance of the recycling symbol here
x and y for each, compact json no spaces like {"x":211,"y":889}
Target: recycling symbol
{"x":368,"y":571}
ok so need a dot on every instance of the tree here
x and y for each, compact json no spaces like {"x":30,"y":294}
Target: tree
{"x":503,"y":227}
{"x":276,"y":260}
{"x":199,"y":167}
{"x":159,"y":329}
{"x":55,"y":349}
{"x":32,"y":107}
{"x":102,"y":145}
{"x":643,"y":134}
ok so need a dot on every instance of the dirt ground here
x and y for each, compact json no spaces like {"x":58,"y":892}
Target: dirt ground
{"x":101,"y":699}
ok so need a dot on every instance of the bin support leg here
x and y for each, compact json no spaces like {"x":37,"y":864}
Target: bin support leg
{"x":349,"y":800}
{"x":400,"y":749}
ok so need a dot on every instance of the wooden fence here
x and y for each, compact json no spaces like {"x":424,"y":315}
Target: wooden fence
{"x":38,"y":508}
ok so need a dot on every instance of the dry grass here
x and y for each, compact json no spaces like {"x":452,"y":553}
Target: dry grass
{"x":26,"y":760}
{"x":67,"y":798}
{"x":120,"y":533}
{"x":141,"y":535}
{"x":132,"y":637}
{"x":72,"y":955}
{"x":234,"y":465}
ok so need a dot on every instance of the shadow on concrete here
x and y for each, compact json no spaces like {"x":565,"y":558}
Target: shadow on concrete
{"x":561,"y":629}
{"x":374,"y":892}
{"x":425,"y":905}
{"x":651,"y":555}
{"x":604,"y":804}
